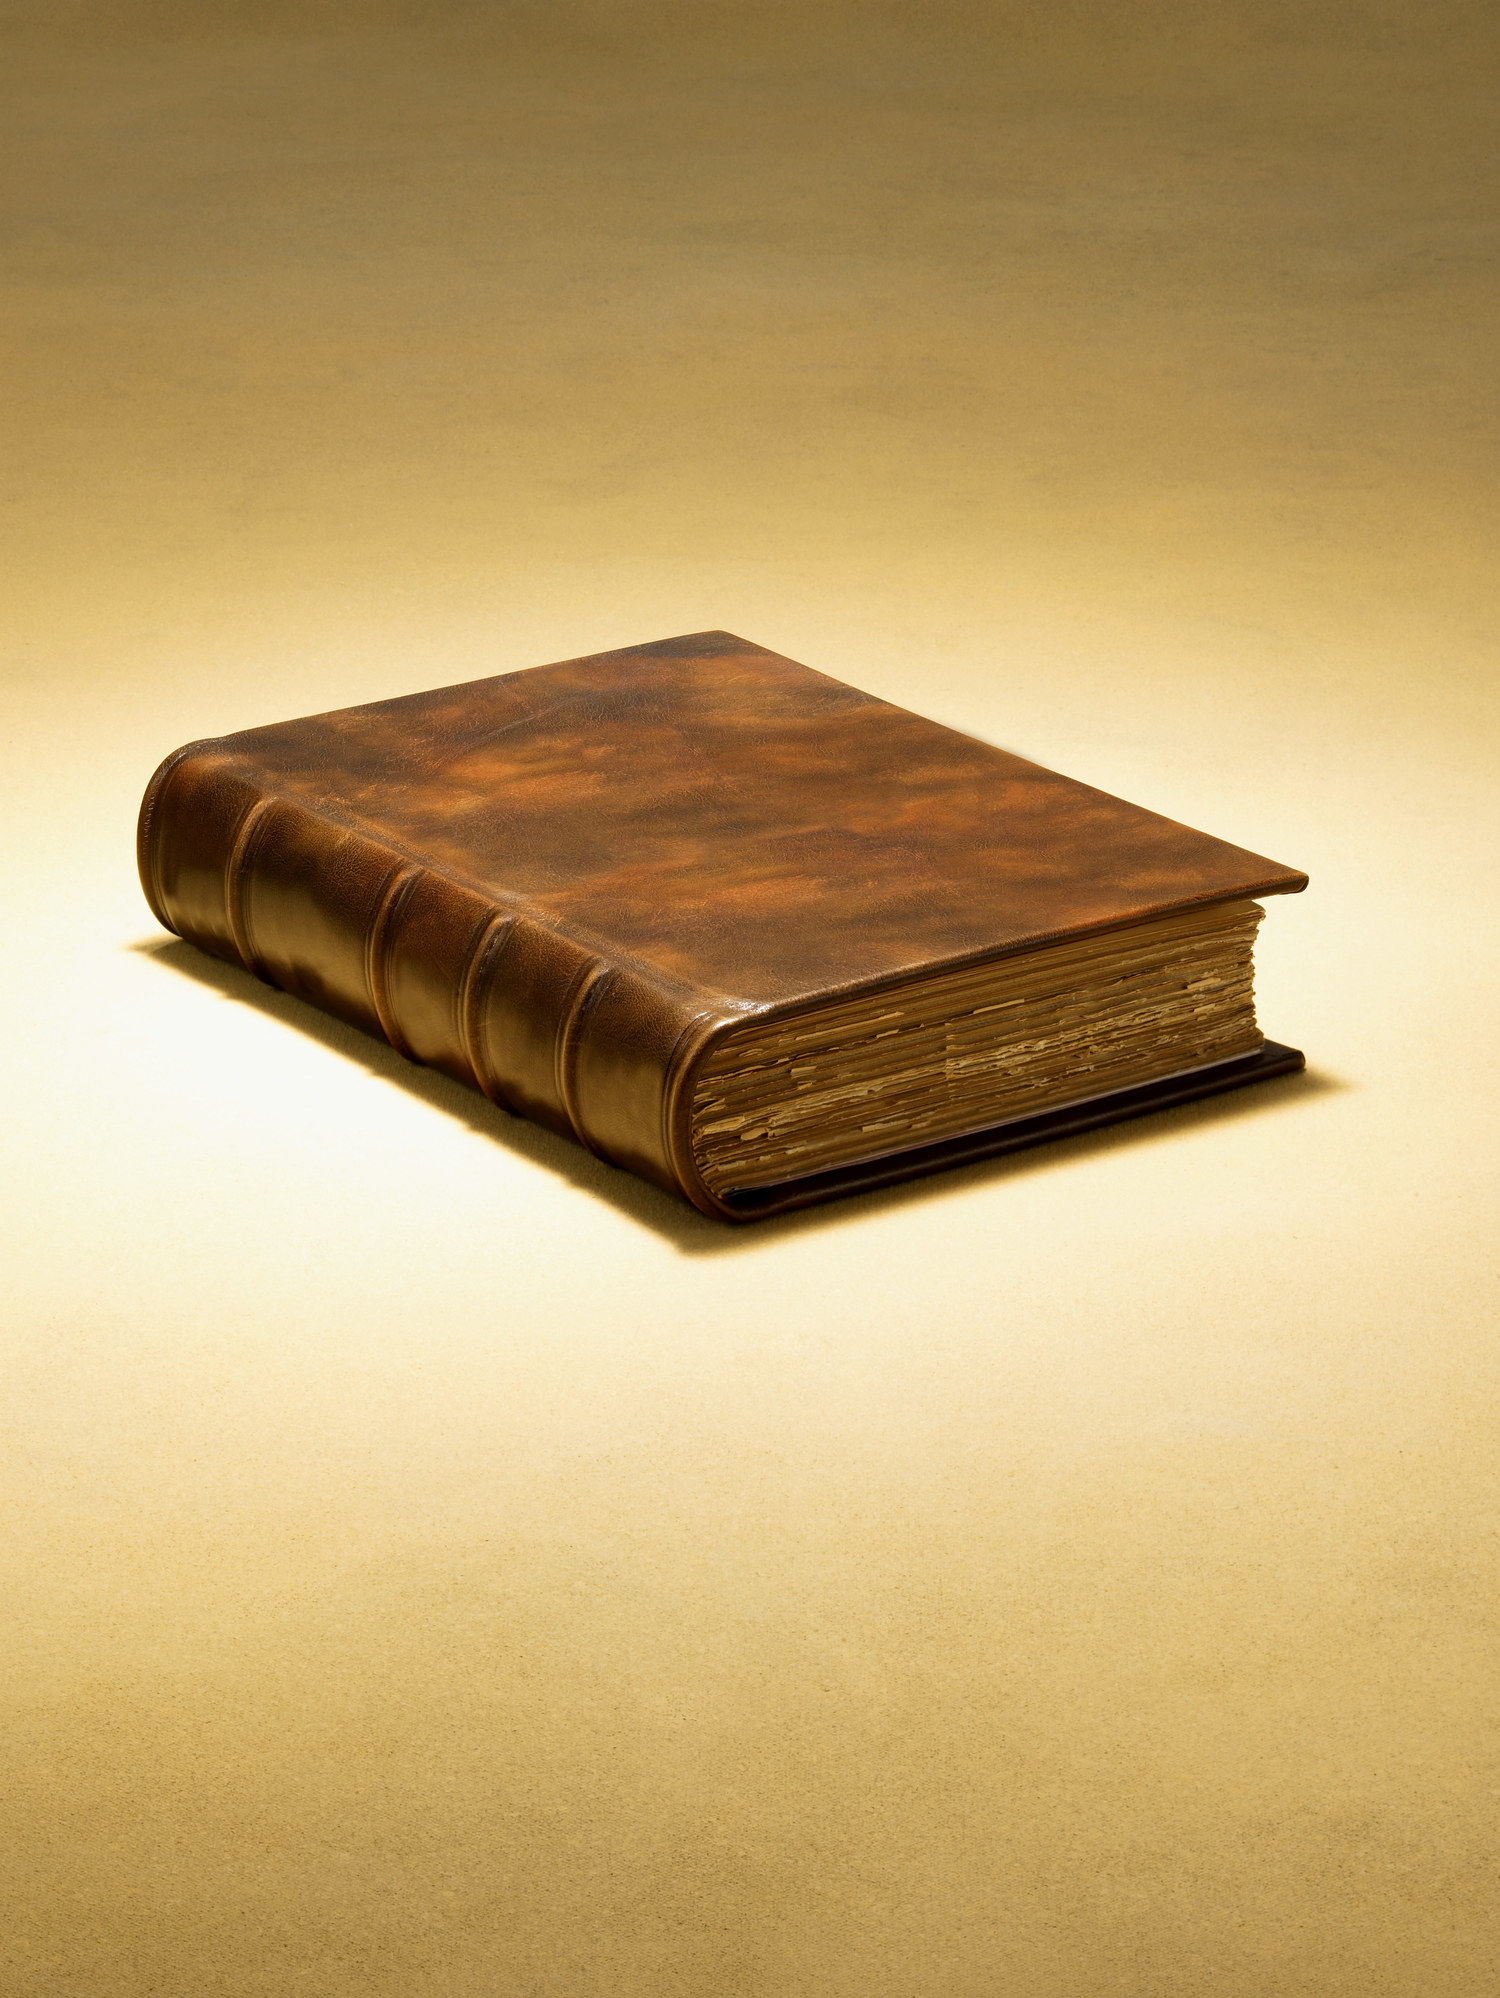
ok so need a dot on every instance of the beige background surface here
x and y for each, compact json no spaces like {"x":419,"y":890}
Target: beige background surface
{"x":436,"y":1563}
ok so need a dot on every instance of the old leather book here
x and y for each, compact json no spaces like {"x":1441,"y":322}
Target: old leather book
{"x":732,"y":924}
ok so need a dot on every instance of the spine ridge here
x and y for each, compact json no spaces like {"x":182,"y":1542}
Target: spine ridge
{"x":237,"y":875}
{"x":401,"y":882}
{"x":492,"y":990}
{"x":589,"y":986}
{"x":488,"y":946}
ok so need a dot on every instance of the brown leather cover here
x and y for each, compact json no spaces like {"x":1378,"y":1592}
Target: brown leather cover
{"x":560,"y":885}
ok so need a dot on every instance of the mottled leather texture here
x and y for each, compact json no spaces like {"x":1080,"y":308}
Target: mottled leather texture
{"x":560,"y":884}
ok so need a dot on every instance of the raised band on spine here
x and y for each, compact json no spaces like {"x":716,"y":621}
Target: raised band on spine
{"x":237,"y":880}
{"x":399,"y":886}
{"x":587,"y":987}
{"x":472,"y":993}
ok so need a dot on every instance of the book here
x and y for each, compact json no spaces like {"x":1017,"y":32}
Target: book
{"x":733,"y":925}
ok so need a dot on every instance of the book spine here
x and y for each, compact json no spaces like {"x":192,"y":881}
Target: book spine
{"x":487,"y":990}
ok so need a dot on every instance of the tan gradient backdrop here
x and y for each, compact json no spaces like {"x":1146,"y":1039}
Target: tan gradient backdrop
{"x":434,"y":1563}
